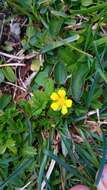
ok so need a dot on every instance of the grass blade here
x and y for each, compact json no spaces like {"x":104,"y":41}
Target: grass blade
{"x":90,"y":9}
{"x":41,"y":171}
{"x":60,"y":43}
{"x":67,"y":167}
{"x":104,"y":157}
{"x":17,"y":172}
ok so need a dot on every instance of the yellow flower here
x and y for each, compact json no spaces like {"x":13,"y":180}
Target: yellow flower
{"x":60,"y":101}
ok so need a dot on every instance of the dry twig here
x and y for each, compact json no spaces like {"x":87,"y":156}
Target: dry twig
{"x":19,"y":87}
{"x":13,"y":64}
{"x":18,"y":57}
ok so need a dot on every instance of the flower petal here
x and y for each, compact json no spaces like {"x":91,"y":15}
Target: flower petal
{"x":68,"y":103}
{"x":104,"y":176}
{"x":101,"y":186}
{"x":54,"y":96}
{"x":61,"y":93}
{"x":55,"y":106}
{"x":64,"y":110}
{"x":80,"y":187}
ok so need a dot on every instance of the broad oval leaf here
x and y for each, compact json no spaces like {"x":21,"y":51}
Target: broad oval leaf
{"x":4,"y":101}
{"x":9,"y":74}
{"x":60,"y":73}
{"x":78,"y":79}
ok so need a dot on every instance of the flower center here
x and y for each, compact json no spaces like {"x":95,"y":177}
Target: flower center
{"x":61,"y":101}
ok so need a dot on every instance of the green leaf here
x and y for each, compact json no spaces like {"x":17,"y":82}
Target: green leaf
{"x":66,"y":140}
{"x":4,"y":101}
{"x":38,"y":102}
{"x":1,"y":76}
{"x":9,"y":74}
{"x":17,"y":172}
{"x":10,"y":143}
{"x":42,"y":168}
{"x":41,"y":172}
{"x":42,"y":76}
{"x":7,"y":161}
{"x":91,"y":9}
{"x":29,"y":125}
{"x":25,"y":3}
{"x":48,"y":86}
{"x":42,"y":2}
{"x":60,"y":43}
{"x":78,"y":79}
{"x":102,"y":74}
{"x":13,"y":149}
{"x":55,"y":26}
{"x":29,"y":151}
{"x":2,"y":149}
{"x":102,"y":41}
{"x":65,"y":54}
{"x":60,"y":73}
{"x":104,"y":157}
{"x":19,"y":8}
{"x":92,"y":89}
{"x":68,"y":144}
{"x":61,"y":162}
{"x":90,"y":149}
{"x":86,"y":2}
{"x":58,"y":13}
